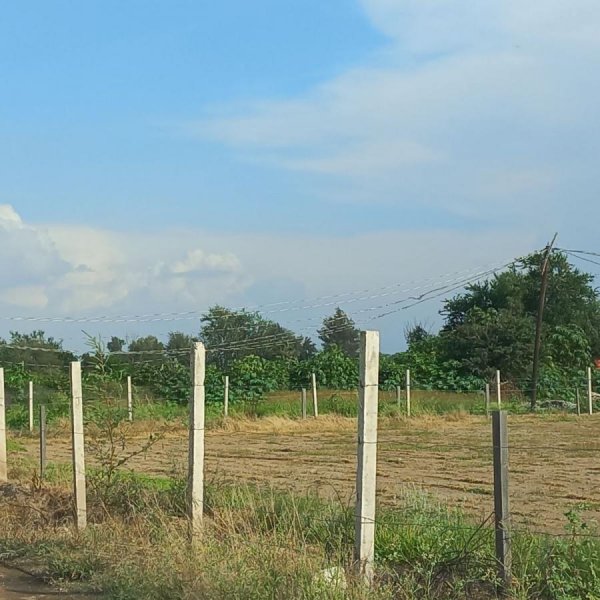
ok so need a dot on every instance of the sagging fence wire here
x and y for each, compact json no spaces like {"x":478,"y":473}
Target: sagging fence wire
{"x":261,"y":340}
{"x":194,"y":314}
{"x":416,"y":523}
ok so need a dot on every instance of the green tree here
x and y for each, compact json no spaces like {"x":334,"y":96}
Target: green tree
{"x":492,"y":324}
{"x":339,"y":330}
{"x":333,"y":367}
{"x":149,"y":343}
{"x":180,"y":341}
{"x":35,"y":350}
{"x":231,"y":335}
{"x":116,"y":344}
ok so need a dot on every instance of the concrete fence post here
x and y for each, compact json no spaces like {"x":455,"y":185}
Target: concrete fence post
{"x":314,"y":395}
{"x":399,"y":395}
{"x":31,"y":407}
{"x":589,"y":388}
{"x":78,"y":447}
{"x":408,"y":390}
{"x":42,"y":442}
{"x":501,"y":500}
{"x":3,"y":461}
{"x":226,"y":397}
{"x":196,"y":443}
{"x":129,"y":399}
{"x":498,"y":390}
{"x":303,"y":403}
{"x":487,"y":400}
{"x":366,"y":475}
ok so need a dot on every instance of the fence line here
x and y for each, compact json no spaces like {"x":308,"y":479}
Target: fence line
{"x":368,"y":446}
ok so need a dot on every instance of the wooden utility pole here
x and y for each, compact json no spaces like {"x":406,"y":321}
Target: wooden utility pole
{"x":539,"y":321}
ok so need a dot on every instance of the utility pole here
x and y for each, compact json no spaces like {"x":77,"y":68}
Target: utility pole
{"x":538,"y":324}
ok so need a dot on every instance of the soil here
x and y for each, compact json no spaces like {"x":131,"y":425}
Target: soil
{"x":16,"y":585}
{"x":554,"y":461}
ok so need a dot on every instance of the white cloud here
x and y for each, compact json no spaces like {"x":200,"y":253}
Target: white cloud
{"x":198,"y":261}
{"x":469,"y":101}
{"x":72,"y":270}
{"x":27,"y":296}
{"x":101,"y":272}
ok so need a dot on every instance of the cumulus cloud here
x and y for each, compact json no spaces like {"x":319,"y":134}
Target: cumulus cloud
{"x":29,"y":256}
{"x":468,"y":103}
{"x":95,"y":272}
{"x":72,"y":270}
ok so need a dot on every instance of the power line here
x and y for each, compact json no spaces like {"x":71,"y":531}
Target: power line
{"x":194,"y":314}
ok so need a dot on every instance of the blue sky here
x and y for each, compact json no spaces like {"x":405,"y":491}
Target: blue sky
{"x":94,"y":93}
{"x":163,"y":156}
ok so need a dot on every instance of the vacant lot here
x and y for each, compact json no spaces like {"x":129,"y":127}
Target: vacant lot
{"x":554,"y":460}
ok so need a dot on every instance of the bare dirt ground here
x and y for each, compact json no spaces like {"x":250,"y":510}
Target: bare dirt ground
{"x":554,"y":461}
{"x":16,"y":585}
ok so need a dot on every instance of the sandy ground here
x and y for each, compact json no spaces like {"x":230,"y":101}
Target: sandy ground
{"x":554,"y":461}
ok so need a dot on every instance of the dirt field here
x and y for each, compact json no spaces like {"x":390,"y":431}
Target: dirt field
{"x":554,"y":461}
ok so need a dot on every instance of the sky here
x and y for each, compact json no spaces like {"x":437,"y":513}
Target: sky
{"x":163,"y":156}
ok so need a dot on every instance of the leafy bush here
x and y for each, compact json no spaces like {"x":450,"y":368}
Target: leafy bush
{"x":333,"y":368}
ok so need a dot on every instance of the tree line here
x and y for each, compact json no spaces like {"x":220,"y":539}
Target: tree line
{"x":488,"y":326}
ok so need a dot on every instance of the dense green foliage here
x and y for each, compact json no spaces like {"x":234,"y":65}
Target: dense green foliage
{"x":339,"y":330}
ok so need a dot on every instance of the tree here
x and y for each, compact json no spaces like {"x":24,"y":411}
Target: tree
{"x":416,"y":334}
{"x":116,"y":344}
{"x":339,"y":330}
{"x":35,"y":350}
{"x":180,"y":341}
{"x":492,"y":324}
{"x":231,"y":335}
{"x":150,"y":343}
{"x":333,"y":367}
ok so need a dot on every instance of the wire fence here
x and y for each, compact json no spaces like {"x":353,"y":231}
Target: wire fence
{"x":439,"y":473}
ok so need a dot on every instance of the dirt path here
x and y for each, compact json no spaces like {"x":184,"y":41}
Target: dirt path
{"x":16,"y":585}
{"x":554,"y":462}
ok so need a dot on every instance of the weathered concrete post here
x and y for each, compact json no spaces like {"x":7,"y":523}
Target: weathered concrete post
{"x":501,"y":500}
{"x":129,"y":399}
{"x":314,"y":395}
{"x":226,"y":397}
{"x":196,"y":443}
{"x":590,"y":394}
{"x":303,"y":403}
{"x":3,"y":462}
{"x":31,"y":407}
{"x":366,"y":475}
{"x":42,"y":441}
{"x":408,"y":392}
{"x":498,"y":390}
{"x":78,"y":447}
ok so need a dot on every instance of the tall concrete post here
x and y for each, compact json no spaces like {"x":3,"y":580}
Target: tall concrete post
{"x":366,"y":475}
{"x":196,"y":442}
{"x":78,"y":447}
